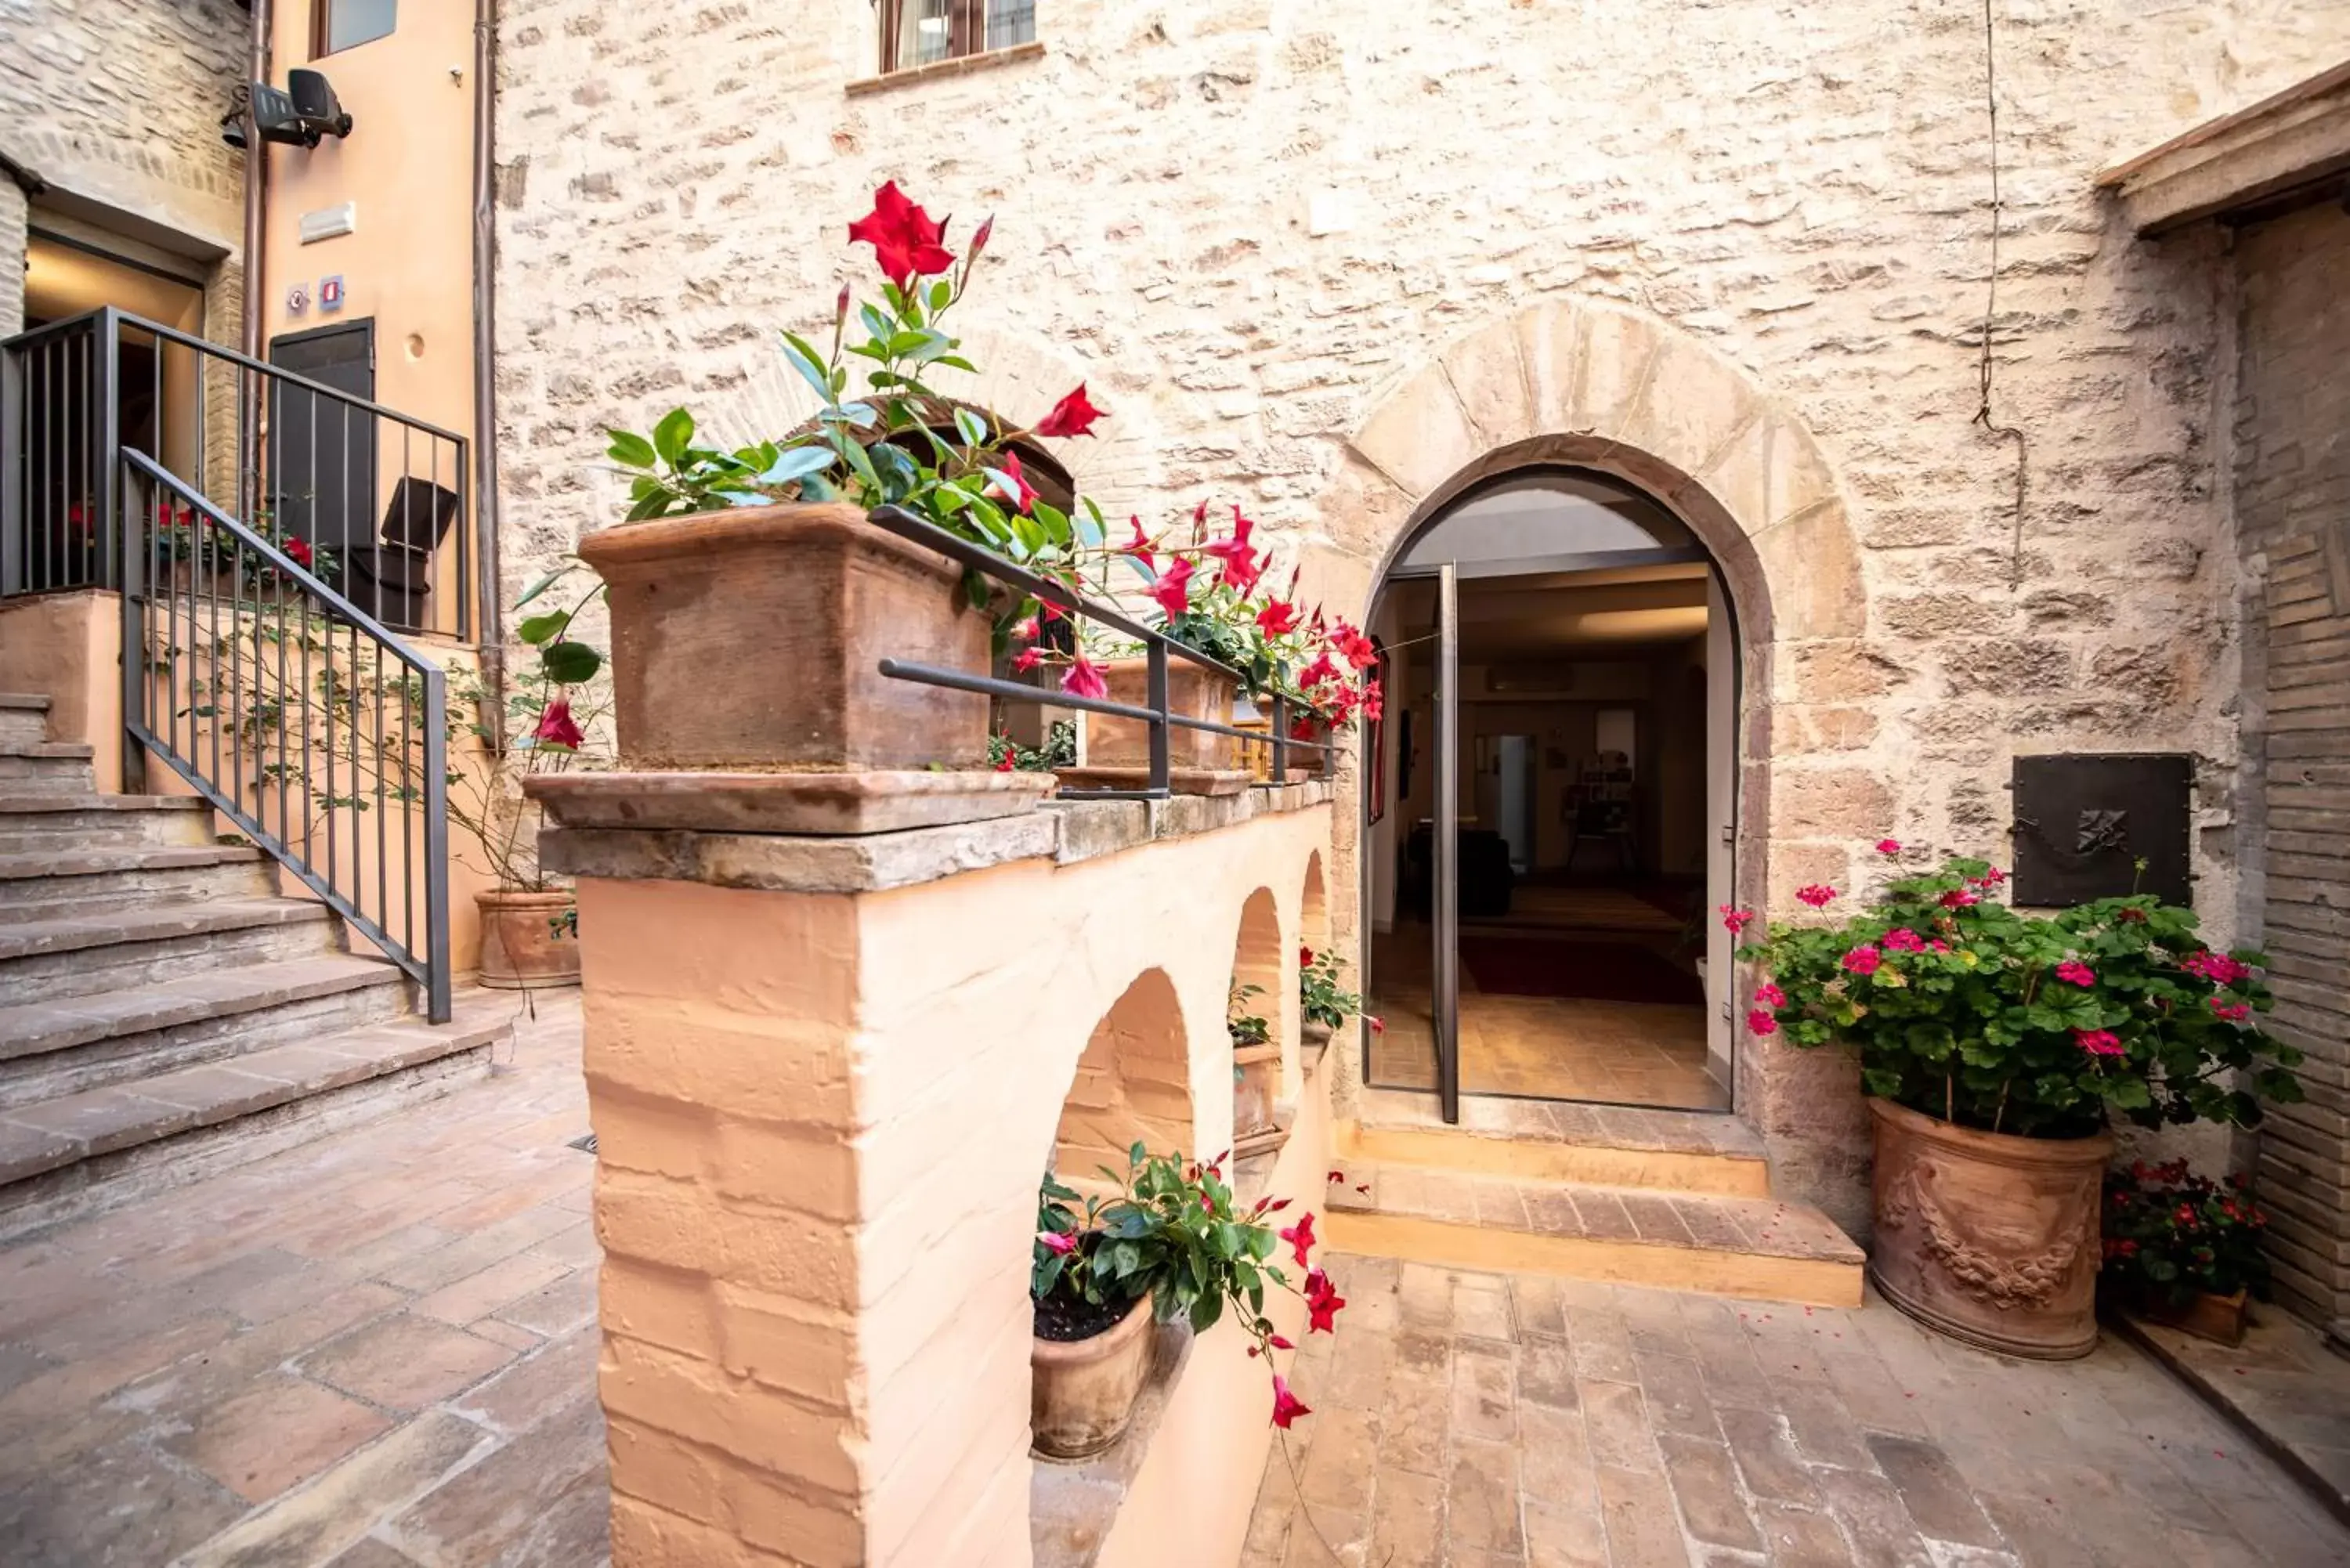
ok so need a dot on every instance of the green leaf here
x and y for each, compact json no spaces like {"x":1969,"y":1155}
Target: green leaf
{"x":674,"y":435}
{"x":973,"y":429}
{"x":797,"y":462}
{"x":634,"y":451}
{"x":569,"y":663}
{"x":941,"y":296}
{"x":541,"y":585}
{"x":538,"y":628}
{"x":809,"y":364}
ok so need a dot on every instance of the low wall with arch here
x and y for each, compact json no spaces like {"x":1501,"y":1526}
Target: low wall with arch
{"x":824,"y":1100}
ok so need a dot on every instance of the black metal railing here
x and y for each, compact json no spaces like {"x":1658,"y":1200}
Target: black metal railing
{"x":297,"y":714}
{"x":1158,"y":649}
{"x":377,"y":501}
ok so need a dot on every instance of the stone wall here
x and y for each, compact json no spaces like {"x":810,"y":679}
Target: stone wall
{"x":118,"y":102}
{"x":1249,"y":224}
{"x":2291,"y":476}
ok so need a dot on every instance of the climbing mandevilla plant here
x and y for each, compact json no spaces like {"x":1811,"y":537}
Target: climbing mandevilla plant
{"x":2039,"y":1026}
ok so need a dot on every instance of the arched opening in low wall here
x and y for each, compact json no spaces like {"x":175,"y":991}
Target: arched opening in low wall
{"x":1133,"y":1085}
{"x":1254,"y":1015}
{"x":1313,"y":908}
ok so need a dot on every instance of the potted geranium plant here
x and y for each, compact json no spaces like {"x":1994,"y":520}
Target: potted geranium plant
{"x":2184,"y":1249}
{"x":1169,"y":1247}
{"x":1322,"y":1003}
{"x":1994,"y":1047}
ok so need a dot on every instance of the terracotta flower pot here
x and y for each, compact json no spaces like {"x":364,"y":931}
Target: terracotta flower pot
{"x":1118,"y":751}
{"x":525,"y":945}
{"x":1082,"y":1392}
{"x":749,"y":639}
{"x":1991,"y":1239}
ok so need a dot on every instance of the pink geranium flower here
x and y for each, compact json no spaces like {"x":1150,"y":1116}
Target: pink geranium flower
{"x":1902,"y":939}
{"x":1863,"y":960}
{"x":1769,"y":994}
{"x":2076,"y":972}
{"x":1819,"y":895}
{"x":1889,"y":847}
{"x":1961,"y":898}
{"x":1760,"y":1022}
{"x":2230,"y":1012}
{"x":1736,"y":920}
{"x":2099,"y":1042}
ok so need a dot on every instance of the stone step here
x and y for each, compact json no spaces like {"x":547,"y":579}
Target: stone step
{"x":1758,"y":1248}
{"x":46,"y":766}
{"x":24,"y":718}
{"x":35,"y":823}
{"x":83,"y":1153}
{"x":79,"y":1044}
{"x":77,"y":955}
{"x":1610,"y":1146}
{"x":47,"y":884}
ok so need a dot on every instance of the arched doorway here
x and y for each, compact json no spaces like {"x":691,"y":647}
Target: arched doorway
{"x":1561,"y":761}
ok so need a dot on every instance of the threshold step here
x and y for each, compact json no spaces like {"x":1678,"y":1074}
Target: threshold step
{"x":81,"y":1154}
{"x":35,"y":1027}
{"x":1761,"y":1249}
{"x":1611,"y":1145}
{"x":31,"y":700}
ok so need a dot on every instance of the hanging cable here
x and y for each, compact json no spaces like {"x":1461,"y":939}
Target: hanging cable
{"x":1983,"y":415}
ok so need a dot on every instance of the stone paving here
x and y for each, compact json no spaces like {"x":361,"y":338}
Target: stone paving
{"x":376,"y":1350}
{"x":1483,"y":1420}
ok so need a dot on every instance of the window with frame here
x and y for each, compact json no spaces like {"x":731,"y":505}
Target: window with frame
{"x":337,"y":25}
{"x":916,"y":33}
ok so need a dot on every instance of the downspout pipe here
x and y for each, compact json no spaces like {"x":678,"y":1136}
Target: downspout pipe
{"x":256,"y":180}
{"x":490,"y":585}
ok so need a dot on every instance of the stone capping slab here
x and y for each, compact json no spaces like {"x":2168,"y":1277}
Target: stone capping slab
{"x":2282,"y":1388}
{"x":1066,"y":831}
{"x":1072,"y":1503}
{"x":794,"y":803}
{"x":2274,"y":150}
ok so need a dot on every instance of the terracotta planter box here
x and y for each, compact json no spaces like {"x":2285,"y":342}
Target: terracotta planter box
{"x":1082,"y":1392}
{"x":748,"y":640}
{"x":1990,"y":1239}
{"x":2219,"y":1319}
{"x":521,"y":948}
{"x":1118,"y":751}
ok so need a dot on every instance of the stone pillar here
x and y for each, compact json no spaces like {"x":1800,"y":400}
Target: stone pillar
{"x":12,"y":240}
{"x":819,"y":1128}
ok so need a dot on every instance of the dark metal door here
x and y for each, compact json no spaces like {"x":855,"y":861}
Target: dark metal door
{"x":321,"y":483}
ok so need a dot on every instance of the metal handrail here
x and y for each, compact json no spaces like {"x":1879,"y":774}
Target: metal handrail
{"x":1158,"y":647}
{"x":235,"y":718}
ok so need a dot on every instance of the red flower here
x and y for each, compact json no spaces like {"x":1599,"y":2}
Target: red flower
{"x":1353,"y":647}
{"x":1961,"y":898}
{"x":2099,"y":1042}
{"x":1072,"y":416}
{"x":1240,"y":567}
{"x":1818,"y":895}
{"x":1279,"y":1342}
{"x":556,"y":727}
{"x":1026,"y":660}
{"x":1007,"y":763}
{"x":904,"y":238}
{"x":1012,"y":485}
{"x":1990,"y":878}
{"x":299,"y":551}
{"x":1317,"y":673}
{"x":1336,"y":1176}
{"x":2233,"y":1012}
{"x":1863,"y":960}
{"x":979,"y":239}
{"x":1286,"y":1406}
{"x":1056,"y":1242}
{"x":1760,"y":1022}
{"x":1374,"y":702}
{"x":1902,"y":939}
{"x":1937,"y":945}
{"x":1305,"y":958}
{"x":2217,"y":967}
{"x":1173,"y":591}
{"x":1277,"y":618}
{"x":2076,"y":972}
{"x":1300,"y":1237}
{"x":1322,"y":1304}
{"x":1736,"y":920}
{"x":1889,"y":847}
{"x":1085,"y":679}
{"x":1769,"y":994}
{"x":1378,"y":1025}
{"x":1140,"y":547}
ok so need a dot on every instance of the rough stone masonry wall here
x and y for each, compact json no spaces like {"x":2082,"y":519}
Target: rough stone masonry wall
{"x":119,"y":101}
{"x":1244,"y":221}
{"x":2293,"y":513}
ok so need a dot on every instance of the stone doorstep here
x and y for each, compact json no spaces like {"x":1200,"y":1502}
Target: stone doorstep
{"x":2282,"y":1387}
{"x":32,"y":865}
{"x":61,"y":751}
{"x":1756,"y":1247}
{"x":60,"y":1132}
{"x":28,"y":700}
{"x":1603,"y":1144}
{"x":42,"y":1026}
{"x":16,"y":801}
{"x":158,"y":922}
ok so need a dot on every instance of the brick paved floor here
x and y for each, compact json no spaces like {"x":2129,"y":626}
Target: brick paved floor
{"x":373,"y":1351}
{"x":378,"y":1351}
{"x":1483,"y":1420}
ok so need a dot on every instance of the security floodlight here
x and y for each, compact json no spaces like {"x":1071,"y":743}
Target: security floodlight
{"x":298,"y":118}
{"x":314,"y":100}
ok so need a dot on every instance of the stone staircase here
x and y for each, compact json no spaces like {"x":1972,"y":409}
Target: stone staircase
{"x":1670,"y":1198}
{"x":164,"y":1012}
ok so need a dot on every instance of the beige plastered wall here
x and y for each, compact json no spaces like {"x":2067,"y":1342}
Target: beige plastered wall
{"x":821,"y":1121}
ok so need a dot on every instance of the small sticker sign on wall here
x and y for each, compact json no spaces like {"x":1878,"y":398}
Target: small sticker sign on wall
{"x":331,"y":293}
{"x":298,"y":300}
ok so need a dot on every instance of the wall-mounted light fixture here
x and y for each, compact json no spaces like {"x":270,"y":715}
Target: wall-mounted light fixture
{"x":300,"y":115}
